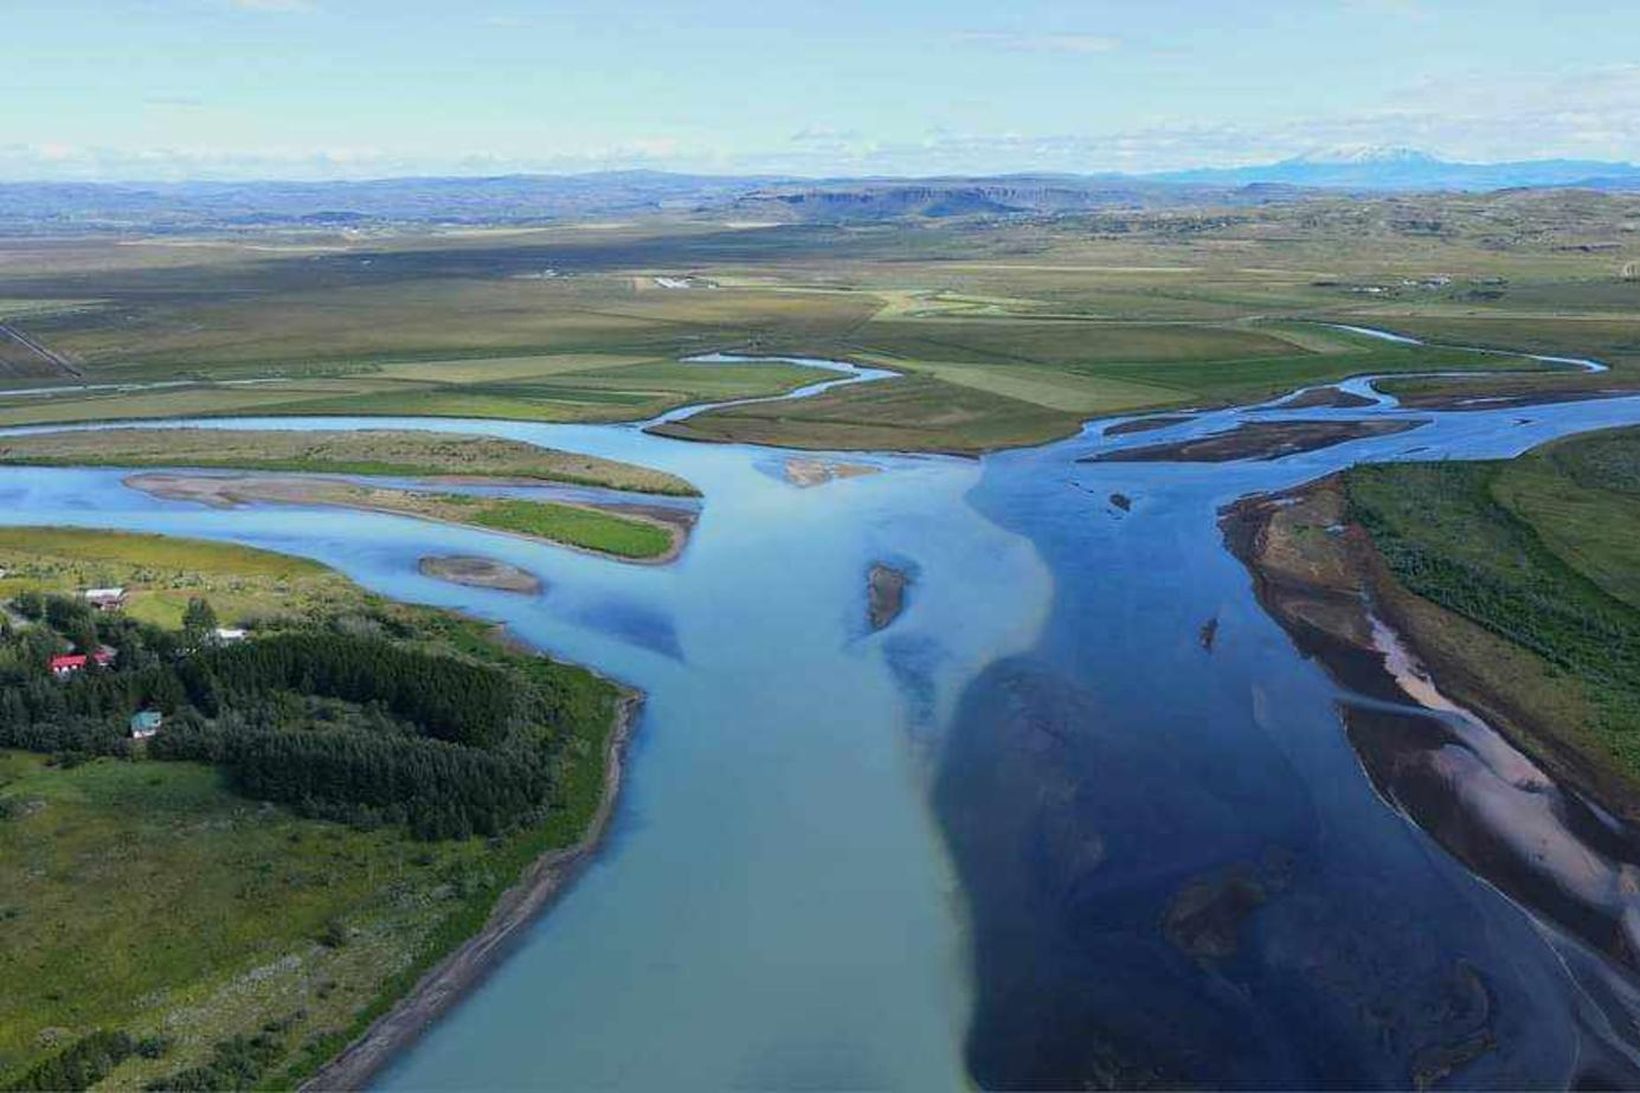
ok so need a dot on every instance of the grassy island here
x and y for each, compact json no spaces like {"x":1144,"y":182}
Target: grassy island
{"x":625,"y":531}
{"x":335,"y":793}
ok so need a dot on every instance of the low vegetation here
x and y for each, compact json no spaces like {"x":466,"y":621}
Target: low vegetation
{"x":915,"y":413}
{"x":1582,"y":497}
{"x":396,"y":452}
{"x":225,"y":904}
{"x":1009,"y":329}
{"x":1539,"y":551}
{"x":162,"y":575}
{"x":588,"y":528}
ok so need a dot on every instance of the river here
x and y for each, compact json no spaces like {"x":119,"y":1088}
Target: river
{"x":846,"y":859}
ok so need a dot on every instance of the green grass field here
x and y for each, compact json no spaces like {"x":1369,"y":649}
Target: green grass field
{"x":581,"y":527}
{"x":603,"y":390}
{"x":163,"y":573}
{"x":146,"y":896}
{"x":1582,"y":497}
{"x":914,"y":413}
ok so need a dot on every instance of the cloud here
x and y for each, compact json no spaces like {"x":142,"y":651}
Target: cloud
{"x":1461,"y":116}
{"x":1465,"y":116}
{"x":1008,"y":42}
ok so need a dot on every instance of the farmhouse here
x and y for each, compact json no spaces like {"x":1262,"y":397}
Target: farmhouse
{"x":105,"y":599}
{"x":69,"y":663}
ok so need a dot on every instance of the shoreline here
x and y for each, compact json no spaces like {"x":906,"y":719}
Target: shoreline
{"x":1501,"y":791}
{"x":466,"y":967}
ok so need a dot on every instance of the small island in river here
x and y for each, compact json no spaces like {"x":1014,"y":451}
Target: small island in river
{"x":1257,"y":440}
{"x":806,"y":473}
{"x":479,"y":572}
{"x":628,"y":532}
{"x":1329,"y":397}
{"x":886,"y":589}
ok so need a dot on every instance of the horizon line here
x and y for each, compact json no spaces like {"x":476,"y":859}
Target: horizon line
{"x":1424,"y":159}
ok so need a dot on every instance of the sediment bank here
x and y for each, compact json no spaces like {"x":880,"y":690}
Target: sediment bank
{"x":463,"y":969}
{"x":1503,"y":791}
{"x":1258,"y":440}
{"x":476,"y":572}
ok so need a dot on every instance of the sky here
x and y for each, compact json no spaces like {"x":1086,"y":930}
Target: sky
{"x":173,"y":89}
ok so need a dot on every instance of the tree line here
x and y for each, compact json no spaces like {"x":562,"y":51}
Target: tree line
{"x":335,"y":724}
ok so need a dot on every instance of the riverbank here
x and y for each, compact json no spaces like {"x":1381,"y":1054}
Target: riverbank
{"x":464,"y":968}
{"x":398,"y":453}
{"x":1475,"y":738}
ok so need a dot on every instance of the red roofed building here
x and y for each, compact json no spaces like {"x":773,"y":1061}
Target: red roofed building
{"x":66,"y":665}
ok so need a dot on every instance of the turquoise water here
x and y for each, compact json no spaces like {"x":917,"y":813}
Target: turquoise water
{"x":856,"y":860}
{"x":774,"y":907}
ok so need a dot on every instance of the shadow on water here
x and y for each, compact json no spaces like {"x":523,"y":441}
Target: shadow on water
{"x":1177,"y":871}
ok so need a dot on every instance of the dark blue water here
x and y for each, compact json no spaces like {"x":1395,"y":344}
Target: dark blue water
{"x":1095,"y":781}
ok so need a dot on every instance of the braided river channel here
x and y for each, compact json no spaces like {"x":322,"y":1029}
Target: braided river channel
{"x":941,"y":854}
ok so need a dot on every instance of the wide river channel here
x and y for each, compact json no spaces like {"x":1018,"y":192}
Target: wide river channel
{"x":942,"y":853}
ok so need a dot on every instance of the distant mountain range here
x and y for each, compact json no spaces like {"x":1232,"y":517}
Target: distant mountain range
{"x":182,"y":206}
{"x":1391,"y":168}
{"x":452,"y":200}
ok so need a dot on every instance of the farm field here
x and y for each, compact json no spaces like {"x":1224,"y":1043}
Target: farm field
{"x":538,"y":389}
{"x":1012,"y":330}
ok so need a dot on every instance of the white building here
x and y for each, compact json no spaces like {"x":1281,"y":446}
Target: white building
{"x":105,"y":599}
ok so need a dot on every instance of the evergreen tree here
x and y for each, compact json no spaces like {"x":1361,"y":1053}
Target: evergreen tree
{"x":198,"y":623}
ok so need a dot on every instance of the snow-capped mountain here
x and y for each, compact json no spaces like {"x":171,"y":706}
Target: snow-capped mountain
{"x":1388,"y":167}
{"x":1359,"y":154}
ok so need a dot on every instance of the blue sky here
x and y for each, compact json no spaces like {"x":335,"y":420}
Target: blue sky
{"x":352,"y":88}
